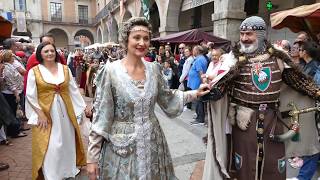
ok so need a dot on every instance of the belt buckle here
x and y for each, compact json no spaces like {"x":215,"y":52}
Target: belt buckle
{"x":263,"y":107}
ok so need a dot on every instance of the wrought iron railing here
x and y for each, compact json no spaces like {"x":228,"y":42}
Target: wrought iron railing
{"x":110,"y":7}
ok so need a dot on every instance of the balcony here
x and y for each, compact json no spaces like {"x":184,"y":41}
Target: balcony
{"x":56,"y":19}
{"x":110,"y":7}
{"x":67,"y":20}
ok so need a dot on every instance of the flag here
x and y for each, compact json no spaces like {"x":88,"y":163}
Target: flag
{"x":7,"y":15}
{"x":145,"y":8}
{"x":21,"y":22}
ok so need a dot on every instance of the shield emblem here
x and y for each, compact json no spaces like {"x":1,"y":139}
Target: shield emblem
{"x":282,"y":165}
{"x":261,"y":78}
{"x":237,"y":161}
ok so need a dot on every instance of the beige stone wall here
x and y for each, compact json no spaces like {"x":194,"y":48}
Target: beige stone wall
{"x":69,"y":11}
{"x":45,"y":10}
{"x":70,"y":31}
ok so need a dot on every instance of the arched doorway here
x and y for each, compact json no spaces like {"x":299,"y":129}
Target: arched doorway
{"x":112,"y":28}
{"x":198,"y":18}
{"x":99,"y":35}
{"x":83,"y":38}
{"x":154,"y":19}
{"x":60,"y":37}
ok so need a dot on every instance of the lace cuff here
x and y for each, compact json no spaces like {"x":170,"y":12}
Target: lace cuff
{"x":94,"y":147}
{"x":189,"y":96}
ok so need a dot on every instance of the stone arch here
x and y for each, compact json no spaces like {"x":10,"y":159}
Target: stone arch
{"x":127,"y":16}
{"x":154,"y":18}
{"x":99,"y":35}
{"x":105,"y":31}
{"x":113,"y":30}
{"x":60,"y":37}
{"x":169,"y":11}
{"x":84,"y":32}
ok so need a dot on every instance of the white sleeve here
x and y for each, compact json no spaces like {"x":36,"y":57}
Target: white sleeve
{"x":31,"y":99}
{"x":185,"y":69}
{"x":77,"y":100}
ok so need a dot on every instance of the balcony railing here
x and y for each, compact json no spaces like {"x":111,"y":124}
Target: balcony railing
{"x":83,"y":21}
{"x":70,"y":20}
{"x":110,"y":7}
{"x":56,"y":19}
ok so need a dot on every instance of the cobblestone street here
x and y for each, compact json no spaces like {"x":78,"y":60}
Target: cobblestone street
{"x":186,"y":147}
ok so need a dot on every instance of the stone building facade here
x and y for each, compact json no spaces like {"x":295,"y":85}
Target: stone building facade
{"x":220,"y":17}
{"x":32,"y":12}
{"x":68,"y":20}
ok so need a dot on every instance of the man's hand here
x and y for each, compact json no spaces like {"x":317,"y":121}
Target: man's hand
{"x":203,"y":90}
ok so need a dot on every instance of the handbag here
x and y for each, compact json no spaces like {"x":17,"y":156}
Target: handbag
{"x":19,"y":112}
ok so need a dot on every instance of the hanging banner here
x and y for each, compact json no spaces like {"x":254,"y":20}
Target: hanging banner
{"x":7,"y":15}
{"x":145,"y":8}
{"x":21,"y":22}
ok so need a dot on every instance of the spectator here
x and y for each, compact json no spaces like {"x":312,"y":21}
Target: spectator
{"x":295,"y":57}
{"x":181,"y":58}
{"x":12,"y":91}
{"x":198,"y":68}
{"x":185,"y":71}
{"x":10,"y":44}
{"x":167,"y":73}
{"x":285,"y":45}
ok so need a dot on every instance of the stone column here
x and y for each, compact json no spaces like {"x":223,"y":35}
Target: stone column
{"x":169,"y":11}
{"x":227,"y":17}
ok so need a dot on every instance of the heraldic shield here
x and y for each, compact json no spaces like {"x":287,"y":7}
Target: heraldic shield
{"x":261,"y":78}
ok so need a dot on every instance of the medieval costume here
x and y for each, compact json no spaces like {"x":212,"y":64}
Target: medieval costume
{"x":57,"y":150}
{"x":126,"y":128}
{"x":77,"y":61}
{"x":254,"y":86}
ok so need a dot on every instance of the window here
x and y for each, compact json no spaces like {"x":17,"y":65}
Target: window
{"x":83,"y":14}
{"x":20,"y":5}
{"x":56,"y":11}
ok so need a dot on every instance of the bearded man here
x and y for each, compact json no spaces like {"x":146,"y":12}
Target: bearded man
{"x":252,"y":75}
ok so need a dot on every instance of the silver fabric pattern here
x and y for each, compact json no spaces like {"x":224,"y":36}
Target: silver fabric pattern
{"x":134,"y":145}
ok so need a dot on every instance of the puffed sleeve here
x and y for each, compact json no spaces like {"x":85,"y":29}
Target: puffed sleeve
{"x":31,"y":99}
{"x":103,"y":116}
{"x":103,"y":105}
{"x":77,"y":100}
{"x":171,"y":101}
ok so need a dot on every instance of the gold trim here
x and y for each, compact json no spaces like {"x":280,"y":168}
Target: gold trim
{"x":254,"y":102}
{"x":254,"y":93}
{"x":263,"y":63}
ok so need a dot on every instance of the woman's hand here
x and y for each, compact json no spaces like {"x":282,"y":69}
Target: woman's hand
{"x":42,"y":121}
{"x":92,"y":170}
{"x":88,"y":112}
{"x":203,"y":90}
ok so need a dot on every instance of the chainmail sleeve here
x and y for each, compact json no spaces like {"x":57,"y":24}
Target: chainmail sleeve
{"x":300,"y":82}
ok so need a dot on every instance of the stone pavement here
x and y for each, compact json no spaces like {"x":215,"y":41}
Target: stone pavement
{"x":184,"y":141}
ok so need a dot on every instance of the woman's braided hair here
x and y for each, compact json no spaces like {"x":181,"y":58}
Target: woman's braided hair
{"x":127,"y":27}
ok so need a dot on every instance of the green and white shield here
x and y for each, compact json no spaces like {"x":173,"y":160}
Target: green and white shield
{"x":261,"y":79}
